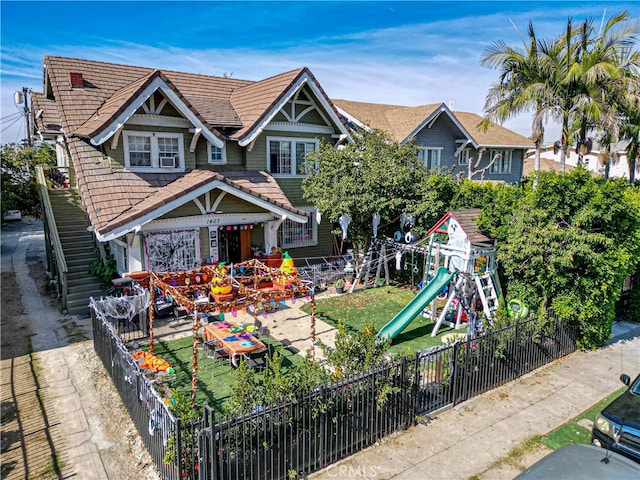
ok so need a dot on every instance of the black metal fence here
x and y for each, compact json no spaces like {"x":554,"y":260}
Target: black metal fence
{"x":289,"y":439}
{"x":161,"y":432}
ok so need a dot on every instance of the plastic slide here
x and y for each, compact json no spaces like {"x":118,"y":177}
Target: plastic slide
{"x":415,"y":306}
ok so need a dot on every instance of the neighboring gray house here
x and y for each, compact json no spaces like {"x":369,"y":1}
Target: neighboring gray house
{"x":445,"y":138}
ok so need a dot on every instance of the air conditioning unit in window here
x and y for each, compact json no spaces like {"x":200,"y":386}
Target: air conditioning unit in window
{"x":168,"y":162}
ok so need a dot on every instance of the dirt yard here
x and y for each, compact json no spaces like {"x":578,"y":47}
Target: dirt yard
{"x":34,"y":444}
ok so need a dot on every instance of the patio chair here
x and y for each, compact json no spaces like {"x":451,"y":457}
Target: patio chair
{"x":257,"y":359}
{"x":216,"y":352}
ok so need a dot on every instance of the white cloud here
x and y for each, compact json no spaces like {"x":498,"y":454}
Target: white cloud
{"x":423,"y":62}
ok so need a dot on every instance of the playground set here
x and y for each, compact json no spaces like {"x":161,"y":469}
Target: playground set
{"x":459,"y":269}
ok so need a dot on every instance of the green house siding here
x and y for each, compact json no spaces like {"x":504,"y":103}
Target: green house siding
{"x":235,"y":156}
{"x":187,"y":210}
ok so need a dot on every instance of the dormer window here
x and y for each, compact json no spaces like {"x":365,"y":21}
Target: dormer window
{"x":153,"y":151}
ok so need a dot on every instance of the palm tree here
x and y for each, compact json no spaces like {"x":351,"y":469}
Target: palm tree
{"x":631,"y":132}
{"x":605,"y":79}
{"x":520,"y":88}
{"x":579,"y":79}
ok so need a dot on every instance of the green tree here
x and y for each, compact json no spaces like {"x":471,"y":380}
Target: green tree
{"x":521,"y":85}
{"x":569,"y":244}
{"x":19,"y":188}
{"x":580,"y":79}
{"x":372,"y":175}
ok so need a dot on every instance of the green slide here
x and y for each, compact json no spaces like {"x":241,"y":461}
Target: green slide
{"x":415,"y":306}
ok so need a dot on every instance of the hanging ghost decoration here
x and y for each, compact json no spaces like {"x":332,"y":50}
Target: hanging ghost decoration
{"x":407,"y":221}
{"x":318,"y":216}
{"x":398,"y":260}
{"x":344,"y":220}
{"x":376,"y":223}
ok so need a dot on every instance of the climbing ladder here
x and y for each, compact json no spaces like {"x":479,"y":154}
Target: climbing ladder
{"x":488,"y":293}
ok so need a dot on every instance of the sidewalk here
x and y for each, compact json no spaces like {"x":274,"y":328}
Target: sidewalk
{"x":468,"y":440}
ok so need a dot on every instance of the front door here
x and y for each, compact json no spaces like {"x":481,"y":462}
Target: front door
{"x":235,"y":245}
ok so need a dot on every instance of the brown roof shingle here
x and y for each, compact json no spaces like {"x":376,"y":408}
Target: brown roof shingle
{"x":113,"y":197}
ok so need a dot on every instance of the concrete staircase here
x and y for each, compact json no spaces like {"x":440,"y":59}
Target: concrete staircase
{"x":78,"y":247}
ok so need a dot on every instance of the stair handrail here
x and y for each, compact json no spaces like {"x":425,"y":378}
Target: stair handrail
{"x":47,"y":209}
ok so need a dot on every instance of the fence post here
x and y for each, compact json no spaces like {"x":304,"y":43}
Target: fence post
{"x":416,"y":386}
{"x":455,"y":374}
{"x":517,"y":345}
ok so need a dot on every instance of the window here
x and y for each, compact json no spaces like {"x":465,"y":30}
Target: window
{"x":217,"y":156}
{"x":120,"y":254}
{"x":299,"y":234}
{"x":172,"y":251}
{"x":287,"y":155}
{"x":150,"y":151}
{"x":463,"y":159}
{"x":430,"y":156}
{"x":502,"y":164}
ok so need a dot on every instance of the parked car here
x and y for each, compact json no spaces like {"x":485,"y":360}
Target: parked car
{"x":582,"y":462}
{"x":12,"y":215}
{"x":617,"y":426}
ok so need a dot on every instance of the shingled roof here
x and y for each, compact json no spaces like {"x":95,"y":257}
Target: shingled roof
{"x":400,"y":122}
{"x":114,"y":198}
{"x":467,"y":221}
{"x":46,"y":118}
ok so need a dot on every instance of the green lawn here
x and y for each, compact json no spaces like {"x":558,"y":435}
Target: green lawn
{"x":357,"y":309}
{"x":214,"y":382}
{"x":379,"y":305}
{"x":571,"y":432}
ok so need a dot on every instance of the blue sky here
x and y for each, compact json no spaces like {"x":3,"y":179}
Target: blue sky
{"x":403,"y":53}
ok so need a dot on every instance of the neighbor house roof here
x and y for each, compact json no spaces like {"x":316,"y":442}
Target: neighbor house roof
{"x":401,"y":123}
{"x":114,"y":197}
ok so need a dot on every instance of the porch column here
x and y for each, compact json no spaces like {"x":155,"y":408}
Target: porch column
{"x":271,"y":233}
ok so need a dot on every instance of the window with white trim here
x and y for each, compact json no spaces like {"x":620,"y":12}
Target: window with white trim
{"x":153,"y":151}
{"x":217,"y":155}
{"x":286,"y":156}
{"x":463,"y":158}
{"x":295,"y":234}
{"x":173,"y":250}
{"x":502,"y":164}
{"x":430,"y":156}
{"x":119,"y":252}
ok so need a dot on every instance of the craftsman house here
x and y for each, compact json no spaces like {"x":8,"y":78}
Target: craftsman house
{"x":174,"y":169}
{"x":445,"y":138}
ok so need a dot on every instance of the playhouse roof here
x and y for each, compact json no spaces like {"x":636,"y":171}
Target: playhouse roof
{"x":467,"y":221}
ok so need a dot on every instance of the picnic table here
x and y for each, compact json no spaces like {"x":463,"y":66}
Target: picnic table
{"x":233,"y":338}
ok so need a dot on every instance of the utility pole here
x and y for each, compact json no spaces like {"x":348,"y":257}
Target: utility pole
{"x":27,"y":116}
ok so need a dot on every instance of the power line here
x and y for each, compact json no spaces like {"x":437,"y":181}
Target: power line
{"x":13,"y":116}
{"x":13,"y":123}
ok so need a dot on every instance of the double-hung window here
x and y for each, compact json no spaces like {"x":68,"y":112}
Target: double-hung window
{"x":430,"y":156}
{"x":295,"y":234}
{"x":463,"y":158}
{"x":151,"y":151}
{"x":217,"y":155}
{"x":120,"y":254}
{"x":286,"y":156}
{"x":502,"y":163}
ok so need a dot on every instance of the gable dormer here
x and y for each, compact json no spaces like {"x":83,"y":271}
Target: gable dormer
{"x":151,"y":119}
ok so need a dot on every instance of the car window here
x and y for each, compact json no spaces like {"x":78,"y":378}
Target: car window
{"x":635,"y":387}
